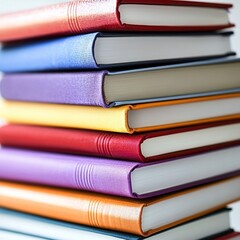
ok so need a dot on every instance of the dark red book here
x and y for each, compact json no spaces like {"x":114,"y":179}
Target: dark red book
{"x":84,"y":16}
{"x":141,"y":147}
{"x":229,"y":236}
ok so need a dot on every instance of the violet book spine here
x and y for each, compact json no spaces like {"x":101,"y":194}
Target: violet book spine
{"x":80,"y":88}
{"x":77,"y":172}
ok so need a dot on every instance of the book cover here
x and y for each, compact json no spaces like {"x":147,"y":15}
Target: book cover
{"x":122,"y":146}
{"x":33,"y":225}
{"x":88,"y":16}
{"x":116,"y":177}
{"x":90,"y":51}
{"x":119,"y":214}
{"x":126,"y":119}
{"x":93,"y":88}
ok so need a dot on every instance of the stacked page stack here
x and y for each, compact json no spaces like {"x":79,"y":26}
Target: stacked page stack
{"x":122,"y":120}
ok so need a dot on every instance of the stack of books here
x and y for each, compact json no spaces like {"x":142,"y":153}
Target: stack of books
{"x":128,"y":133}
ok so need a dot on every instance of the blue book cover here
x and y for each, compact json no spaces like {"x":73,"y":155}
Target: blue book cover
{"x":112,"y":50}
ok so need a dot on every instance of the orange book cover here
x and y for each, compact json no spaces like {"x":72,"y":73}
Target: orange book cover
{"x":142,"y":217}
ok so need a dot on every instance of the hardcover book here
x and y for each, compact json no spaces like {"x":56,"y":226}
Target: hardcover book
{"x":83,"y":16}
{"x":121,"y":178}
{"x":139,"y":147}
{"x":141,"y":217}
{"x":105,"y":50}
{"x":10,"y":6}
{"x":113,"y":88}
{"x":8,"y":235}
{"x":211,"y":224}
{"x":129,"y":118}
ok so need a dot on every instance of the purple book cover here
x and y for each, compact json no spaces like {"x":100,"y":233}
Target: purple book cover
{"x":95,"y":174}
{"x":87,"y":88}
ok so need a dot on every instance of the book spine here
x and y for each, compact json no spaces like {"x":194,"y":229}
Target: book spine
{"x":74,"y":206}
{"x":68,"y":18}
{"x":85,"y":88}
{"x":77,"y":172}
{"x":75,"y":52}
{"x":97,"y":143}
{"x":94,"y":118}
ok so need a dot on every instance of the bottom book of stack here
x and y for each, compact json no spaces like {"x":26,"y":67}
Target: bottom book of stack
{"x":17,"y":225}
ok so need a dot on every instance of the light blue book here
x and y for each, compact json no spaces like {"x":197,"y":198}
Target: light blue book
{"x":8,"y":235}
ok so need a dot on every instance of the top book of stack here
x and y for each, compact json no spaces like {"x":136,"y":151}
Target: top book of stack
{"x":84,"y":16}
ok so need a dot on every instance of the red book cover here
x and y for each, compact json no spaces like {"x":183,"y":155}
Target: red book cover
{"x":84,"y":16}
{"x":123,"y":146}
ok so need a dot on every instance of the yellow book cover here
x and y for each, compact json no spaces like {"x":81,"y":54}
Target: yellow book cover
{"x":128,"y":118}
